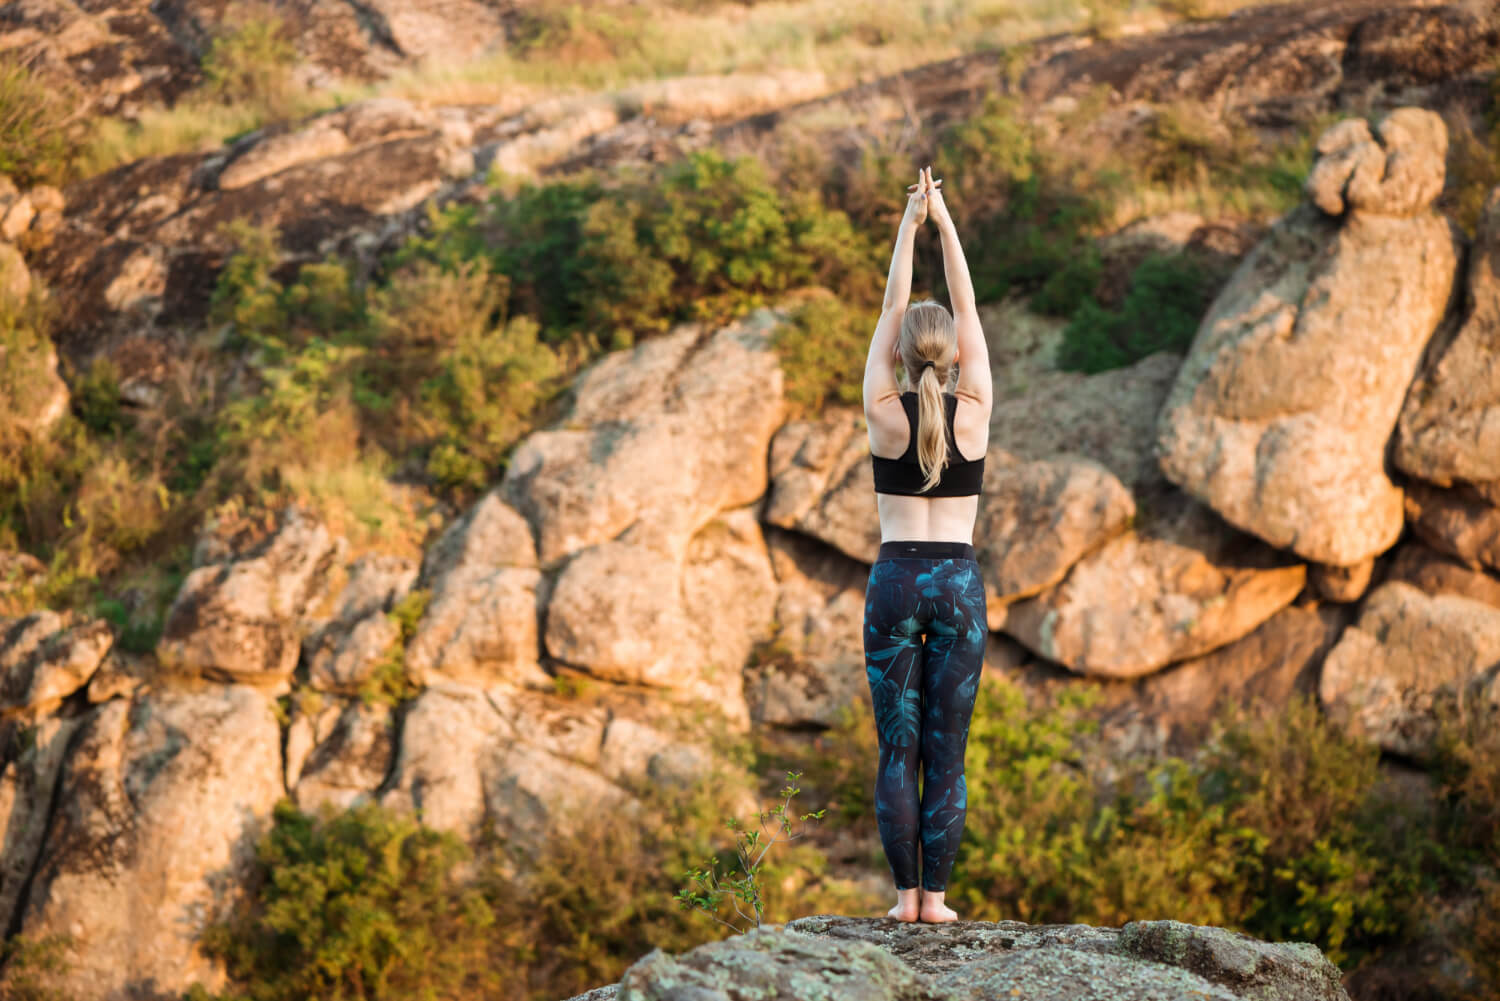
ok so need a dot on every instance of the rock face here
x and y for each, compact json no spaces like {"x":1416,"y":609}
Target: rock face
{"x":1407,"y":651}
{"x":1181,"y":585}
{"x":345,"y":651}
{"x":847,"y":958}
{"x":1460,"y":522}
{"x":471,"y":761}
{"x":659,"y":439}
{"x":1064,"y":468}
{"x":814,"y":665}
{"x":481,"y":623}
{"x":240,"y":620}
{"x":44,"y":658}
{"x":1280,"y":414}
{"x":157,"y":815}
{"x":27,"y":781}
{"x":822,"y":483}
{"x":1450,"y":427}
{"x":639,"y":485}
{"x":635,"y":612}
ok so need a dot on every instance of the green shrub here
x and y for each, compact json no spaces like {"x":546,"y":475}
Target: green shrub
{"x":1028,"y":216}
{"x":353,"y":905}
{"x":1167,"y":299}
{"x":822,"y":351}
{"x":251,"y":59}
{"x":30,"y":963}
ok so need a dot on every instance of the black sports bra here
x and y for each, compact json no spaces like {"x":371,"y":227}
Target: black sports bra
{"x":959,"y":478}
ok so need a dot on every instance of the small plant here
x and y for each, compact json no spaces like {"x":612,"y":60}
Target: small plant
{"x":714,"y":888}
{"x":252,"y":60}
{"x":28,"y":964}
{"x":36,"y":121}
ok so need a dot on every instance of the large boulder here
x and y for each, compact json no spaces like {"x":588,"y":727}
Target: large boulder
{"x":1461,"y":522}
{"x":813,"y":667}
{"x":642,"y":611}
{"x":241,"y":619}
{"x":158,"y":810}
{"x":1450,"y":426}
{"x":470,"y":762}
{"x":28,"y":779}
{"x":660,"y":438}
{"x":844,"y":958}
{"x":45,"y":657}
{"x":344,"y":651}
{"x":1281,"y":412}
{"x":1408,"y":651}
{"x":1179,"y":585}
{"x":822,"y":483}
{"x":481,"y":622}
{"x":1067,"y":466}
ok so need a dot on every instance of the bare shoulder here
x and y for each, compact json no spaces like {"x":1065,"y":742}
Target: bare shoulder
{"x":885,"y":418}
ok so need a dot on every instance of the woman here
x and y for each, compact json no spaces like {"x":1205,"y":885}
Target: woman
{"x":925,"y":626}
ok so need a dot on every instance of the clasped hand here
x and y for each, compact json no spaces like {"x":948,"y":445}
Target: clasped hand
{"x":924,"y":197}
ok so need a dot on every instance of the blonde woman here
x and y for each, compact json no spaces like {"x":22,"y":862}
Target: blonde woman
{"x":924,"y":626}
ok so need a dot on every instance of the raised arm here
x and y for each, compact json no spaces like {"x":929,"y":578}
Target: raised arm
{"x":880,"y":363}
{"x":974,"y":382}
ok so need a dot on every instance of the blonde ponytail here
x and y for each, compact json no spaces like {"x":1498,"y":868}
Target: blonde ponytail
{"x":932,"y":437}
{"x":928,"y":344}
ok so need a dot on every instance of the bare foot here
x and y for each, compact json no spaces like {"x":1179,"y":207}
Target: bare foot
{"x":906,"y":905}
{"x":933,"y":909}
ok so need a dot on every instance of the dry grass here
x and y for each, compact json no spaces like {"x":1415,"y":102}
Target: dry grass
{"x":742,"y":52}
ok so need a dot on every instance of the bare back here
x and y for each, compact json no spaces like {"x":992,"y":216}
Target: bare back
{"x":947,"y":519}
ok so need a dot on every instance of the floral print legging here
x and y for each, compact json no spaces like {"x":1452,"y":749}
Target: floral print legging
{"x":924,"y":637}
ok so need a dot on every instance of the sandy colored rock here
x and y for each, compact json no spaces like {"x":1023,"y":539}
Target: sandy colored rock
{"x":1435,"y":573}
{"x":666,"y":435}
{"x":280,"y":152}
{"x":1459,"y":522}
{"x":1397,"y":171}
{"x":1268,"y":667}
{"x":346,"y":650}
{"x":117,"y":874}
{"x":822,"y":483}
{"x":1450,"y":426}
{"x":348,"y":765}
{"x":1181,"y":585}
{"x":1281,"y":412}
{"x":1343,"y":584}
{"x":27,"y":781}
{"x":45,"y":657}
{"x":481,"y":621}
{"x":1407,"y":651}
{"x":636,"y":612}
{"x":462,"y":767}
{"x":17,"y":218}
{"x":241,"y":620}
{"x":814,"y":665}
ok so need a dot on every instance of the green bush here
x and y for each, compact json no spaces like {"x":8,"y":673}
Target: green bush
{"x":1028,"y":216}
{"x":355,"y":905}
{"x":822,"y":351}
{"x":1167,"y":298}
{"x":706,"y":239}
{"x":251,"y":59}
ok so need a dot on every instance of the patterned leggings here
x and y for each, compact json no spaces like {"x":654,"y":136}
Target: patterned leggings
{"x":923,"y":696}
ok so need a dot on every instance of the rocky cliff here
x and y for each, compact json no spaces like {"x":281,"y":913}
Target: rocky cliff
{"x":1305,"y":501}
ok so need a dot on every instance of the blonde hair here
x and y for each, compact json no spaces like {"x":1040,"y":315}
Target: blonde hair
{"x":928,"y":335}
